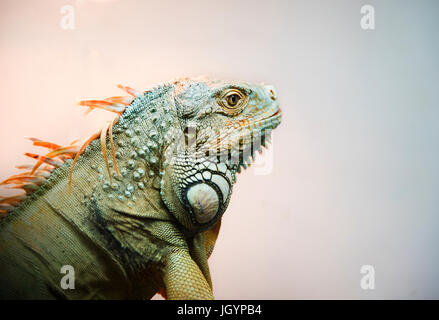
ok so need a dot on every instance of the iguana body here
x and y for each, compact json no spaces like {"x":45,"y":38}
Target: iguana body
{"x":153,"y":227}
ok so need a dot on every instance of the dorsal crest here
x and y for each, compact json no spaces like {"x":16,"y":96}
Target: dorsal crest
{"x":34,"y":176}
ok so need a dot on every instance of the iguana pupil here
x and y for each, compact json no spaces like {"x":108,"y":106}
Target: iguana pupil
{"x":233,"y":99}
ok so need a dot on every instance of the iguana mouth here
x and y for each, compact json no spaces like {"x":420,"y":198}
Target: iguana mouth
{"x":275,"y":116}
{"x":277,"y":112}
{"x":267,"y":123}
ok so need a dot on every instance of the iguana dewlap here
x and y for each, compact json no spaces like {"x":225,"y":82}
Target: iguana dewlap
{"x":137,"y":209}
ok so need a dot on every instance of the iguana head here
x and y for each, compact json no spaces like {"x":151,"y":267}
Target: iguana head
{"x":221,"y":126}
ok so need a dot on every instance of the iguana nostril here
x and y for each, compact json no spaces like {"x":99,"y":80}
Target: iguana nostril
{"x":271,"y":92}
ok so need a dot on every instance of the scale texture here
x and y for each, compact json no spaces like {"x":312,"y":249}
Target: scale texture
{"x":136,"y":212}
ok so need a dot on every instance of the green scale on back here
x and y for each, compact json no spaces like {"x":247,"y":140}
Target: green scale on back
{"x":148,"y":222}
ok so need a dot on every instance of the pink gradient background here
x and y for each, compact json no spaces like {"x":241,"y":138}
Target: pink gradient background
{"x":355,"y":178}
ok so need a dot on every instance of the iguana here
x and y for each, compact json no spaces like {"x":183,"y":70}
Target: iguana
{"x":135,"y":210}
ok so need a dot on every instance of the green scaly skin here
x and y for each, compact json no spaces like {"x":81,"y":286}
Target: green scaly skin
{"x":178,"y":148}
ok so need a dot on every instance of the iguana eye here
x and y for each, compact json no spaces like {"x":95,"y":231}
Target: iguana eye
{"x":232,"y":101}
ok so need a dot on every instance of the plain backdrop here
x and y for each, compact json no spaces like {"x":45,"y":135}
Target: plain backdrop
{"x":355,"y":176}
